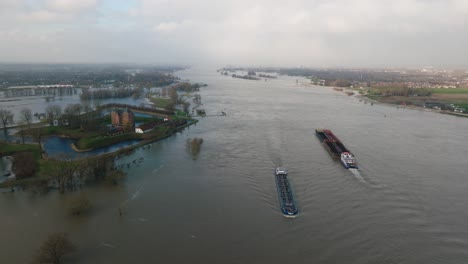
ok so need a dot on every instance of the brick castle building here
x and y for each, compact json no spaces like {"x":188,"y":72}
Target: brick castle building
{"x":123,"y":118}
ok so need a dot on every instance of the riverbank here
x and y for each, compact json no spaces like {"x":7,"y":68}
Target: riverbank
{"x":44,"y":164}
{"x":395,"y":101}
{"x":411,"y":106}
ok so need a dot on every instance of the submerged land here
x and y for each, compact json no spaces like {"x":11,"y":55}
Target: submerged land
{"x":437,"y":89}
{"x":170,"y":105}
{"x":161,"y":193}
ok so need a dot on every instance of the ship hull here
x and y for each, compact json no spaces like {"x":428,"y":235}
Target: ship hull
{"x":348,"y":166}
{"x":286,"y":196}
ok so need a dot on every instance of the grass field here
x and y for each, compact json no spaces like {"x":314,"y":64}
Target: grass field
{"x":462,"y":105}
{"x":160,"y":102}
{"x":450,"y":91}
{"x":104,"y":141}
{"x":7,"y":149}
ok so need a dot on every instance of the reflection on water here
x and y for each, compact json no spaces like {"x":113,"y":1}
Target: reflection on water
{"x":61,"y":147}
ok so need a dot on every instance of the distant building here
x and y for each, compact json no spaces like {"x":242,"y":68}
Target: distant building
{"x":146,"y":127}
{"x":115,"y":131}
{"x":39,"y":90}
{"x":123,"y":118}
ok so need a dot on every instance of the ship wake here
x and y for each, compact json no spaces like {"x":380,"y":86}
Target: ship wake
{"x":358,"y":175}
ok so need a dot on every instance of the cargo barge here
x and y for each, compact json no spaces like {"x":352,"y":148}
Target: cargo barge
{"x":285,"y":193}
{"x":335,"y":147}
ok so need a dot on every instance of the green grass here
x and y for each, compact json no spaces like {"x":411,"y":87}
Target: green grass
{"x":160,"y":102}
{"x":7,"y":149}
{"x":179,"y":115}
{"x":462,"y":105}
{"x":104,"y":141}
{"x":63,"y":131}
{"x":450,"y":91}
{"x":373,"y":96}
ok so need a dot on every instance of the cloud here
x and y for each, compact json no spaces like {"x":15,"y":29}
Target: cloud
{"x":42,"y":16}
{"x":166,"y":27}
{"x":293,"y":32}
{"x":71,"y":6}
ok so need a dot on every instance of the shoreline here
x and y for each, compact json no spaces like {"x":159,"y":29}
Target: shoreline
{"x":410,"y":107}
{"x":137,"y":145}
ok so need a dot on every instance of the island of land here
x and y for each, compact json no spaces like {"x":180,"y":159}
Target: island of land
{"x":171,"y":106}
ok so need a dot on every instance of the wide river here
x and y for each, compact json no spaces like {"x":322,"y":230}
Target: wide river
{"x":407,"y":204}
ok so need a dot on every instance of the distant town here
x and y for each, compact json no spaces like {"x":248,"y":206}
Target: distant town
{"x":438,"y":89}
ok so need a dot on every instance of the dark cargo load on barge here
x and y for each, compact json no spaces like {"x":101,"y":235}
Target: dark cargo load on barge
{"x":336,"y":149}
{"x":330,"y":142}
{"x":285,"y":193}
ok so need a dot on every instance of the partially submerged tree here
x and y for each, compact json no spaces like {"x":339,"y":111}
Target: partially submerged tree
{"x":79,"y":206}
{"x":186,"y":107}
{"x":24,"y":165}
{"x":114,"y":176}
{"x":194,"y":146}
{"x":63,"y":172}
{"x":54,"y":249}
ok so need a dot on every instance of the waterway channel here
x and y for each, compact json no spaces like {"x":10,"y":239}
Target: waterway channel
{"x":407,"y":204}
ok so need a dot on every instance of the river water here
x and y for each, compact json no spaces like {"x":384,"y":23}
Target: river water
{"x":407,"y":203}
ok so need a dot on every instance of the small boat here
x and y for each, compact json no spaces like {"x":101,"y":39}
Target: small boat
{"x":348,"y":160}
{"x":285,"y":194}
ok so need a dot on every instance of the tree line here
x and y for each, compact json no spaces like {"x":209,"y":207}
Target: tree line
{"x":88,"y":94}
{"x":399,"y":89}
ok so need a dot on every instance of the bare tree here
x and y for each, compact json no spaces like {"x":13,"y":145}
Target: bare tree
{"x":79,"y":206}
{"x":86,"y":106}
{"x":22,"y":133}
{"x":37,"y":136}
{"x":24,"y":165}
{"x":88,"y":118}
{"x":72,"y":112}
{"x":97,"y":105}
{"x":54,"y":249}
{"x":26,"y":116}
{"x":65,"y":172}
{"x":53,"y":112}
{"x":6,"y":116}
{"x":186,"y":107}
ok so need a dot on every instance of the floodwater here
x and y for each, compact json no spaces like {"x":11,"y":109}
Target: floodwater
{"x":61,"y":148}
{"x":406,"y":203}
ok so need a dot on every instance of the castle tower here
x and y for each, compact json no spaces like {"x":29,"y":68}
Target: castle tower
{"x":125,"y":118}
{"x":115,"y":118}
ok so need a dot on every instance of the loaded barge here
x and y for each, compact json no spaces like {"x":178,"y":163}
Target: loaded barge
{"x":285,"y":194}
{"x":336,"y":149}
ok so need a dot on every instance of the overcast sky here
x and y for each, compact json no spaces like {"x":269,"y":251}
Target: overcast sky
{"x":356,"y":33}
